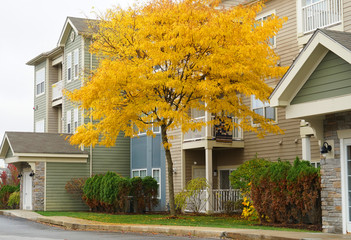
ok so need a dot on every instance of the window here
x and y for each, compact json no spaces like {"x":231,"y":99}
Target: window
{"x":224,"y":180}
{"x":69,"y":121}
{"x":139,"y":173}
{"x":40,"y":126}
{"x":263,"y":109}
{"x":316,"y":164}
{"x":40,"y":81}
{"x":156,"y":174}
{"x":75,"y":66}
{"x":75,"y":119}
{"x":69,"y":67}
{"x":262,"y":18}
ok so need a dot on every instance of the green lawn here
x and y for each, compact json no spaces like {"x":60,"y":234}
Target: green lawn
{"x":183,"y":220}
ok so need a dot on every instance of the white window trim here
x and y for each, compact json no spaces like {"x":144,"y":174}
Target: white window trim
{"x":75,"y":63}
{"x":69,"y":66}
{"x":42,"y":81}
{"x":159,"y":183}
{"x":138,"y":170}
{"x":75,"y":118}
{"x":275,"y":121}
{"x":69,"y":121}
{"x":36,"y":125}
{"x":266,"y":14}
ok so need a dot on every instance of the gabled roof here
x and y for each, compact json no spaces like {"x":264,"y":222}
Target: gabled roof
{"x":22,"y":143}
{"x":79,"y":25}
{"x":308,"y":59}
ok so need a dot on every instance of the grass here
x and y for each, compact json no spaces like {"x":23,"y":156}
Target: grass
{"x":183,"y":220}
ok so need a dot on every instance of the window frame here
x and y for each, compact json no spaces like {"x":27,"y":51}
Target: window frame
{"x":69,"y":121}
{"x":158,"y":183}
{"x":43,"y":127}
{"x":139,"y":170}
{"x":76,"y":63}
{"x":69,"y":66}
{"x":260,"y":17}
{"x":264,"y":106}
{"x":40,"y":81}
{"x":75,"y":119}
{"x":230,"y":169}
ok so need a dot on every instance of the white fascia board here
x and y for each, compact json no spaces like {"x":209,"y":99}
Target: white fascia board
{"x":64,"y":32}
{"x":3,"y":150}
{"x":304,"y":66}
{"x":45,"y":159}
{"x":319,"y":107}
{"x":51,"y":155}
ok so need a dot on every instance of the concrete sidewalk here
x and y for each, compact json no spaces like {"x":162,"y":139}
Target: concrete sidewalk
{"x":201,"y":232}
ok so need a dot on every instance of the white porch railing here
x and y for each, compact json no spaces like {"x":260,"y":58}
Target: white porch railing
{"x":57,"y":90}
{"x":235,"y":134}
{"x":223,"y":196}
{"x":321,"y":14}
{"x":219,"y":199}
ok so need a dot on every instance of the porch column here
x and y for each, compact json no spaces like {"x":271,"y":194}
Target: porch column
{"x":306,"y":147}
{"x":209,"y":177}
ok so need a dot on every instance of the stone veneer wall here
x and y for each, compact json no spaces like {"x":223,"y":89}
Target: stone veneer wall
{"x":38,"y":187}
{"x":331,"y":173}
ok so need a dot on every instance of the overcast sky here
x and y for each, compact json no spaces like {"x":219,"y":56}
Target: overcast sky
{"x":28,"y":28}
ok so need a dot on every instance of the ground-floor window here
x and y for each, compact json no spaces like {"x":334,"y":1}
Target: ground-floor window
{"x":139,"y":173}
{"x":156,"y":174}
{"x":316,"y":164}
{"x":224,"y":180}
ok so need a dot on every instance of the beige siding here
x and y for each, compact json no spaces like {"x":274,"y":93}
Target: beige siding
{"x":347,"y":15}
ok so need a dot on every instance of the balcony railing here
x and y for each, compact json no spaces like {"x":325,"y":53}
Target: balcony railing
{"x":321,"y":14}
{"x":57,"y":90}
{"x":217,"y":133}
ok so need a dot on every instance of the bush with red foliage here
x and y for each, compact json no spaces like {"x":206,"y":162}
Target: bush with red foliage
{"x":288,"y":194}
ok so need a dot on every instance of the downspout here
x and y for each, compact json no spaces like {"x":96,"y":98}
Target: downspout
{"x":91,"y":120}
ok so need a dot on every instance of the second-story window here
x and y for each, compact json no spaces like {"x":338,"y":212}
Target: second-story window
{"x":40,"y":81}
{"x":262,"y":18}
{"x":75,"y":119}
{"x":68,"y":121}
{"x":75,"y":65}
{"x":263,"y":109}
{"x":69,"y":67}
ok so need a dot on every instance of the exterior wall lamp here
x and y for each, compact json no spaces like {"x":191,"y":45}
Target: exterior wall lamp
{"x":325,"y":149}
{"x":19,"y":176}
{"x":32,"y":174}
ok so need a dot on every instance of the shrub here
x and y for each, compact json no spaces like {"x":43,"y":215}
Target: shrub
{"x":5,"y":194}
{"x":91,"y":192}
{"x":14,"y":200}
{"x":242,"y":176}
{"x":288,"y":194}
{"x":137,"y":193}
{"x":150,"y":188}
{"x":193,"y":196}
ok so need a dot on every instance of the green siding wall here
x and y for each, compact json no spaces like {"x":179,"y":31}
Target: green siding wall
{"x":331,"y":78}
{"x":40,"y":101}
{"x":74,"y":83}
{"x":116,"y":158}
{"x":9,"y":153}
{"x":57,"y":175}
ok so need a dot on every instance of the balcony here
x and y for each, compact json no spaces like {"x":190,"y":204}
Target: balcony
{"x":217,"y":133}
{"x":321,"y":14}
{"x":57,"y":93}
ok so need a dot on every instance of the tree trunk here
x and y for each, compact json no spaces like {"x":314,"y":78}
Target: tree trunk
{"x":169,"y":169}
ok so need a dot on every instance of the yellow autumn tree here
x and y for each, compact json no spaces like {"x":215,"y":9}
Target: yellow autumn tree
{"x":161,"y":59}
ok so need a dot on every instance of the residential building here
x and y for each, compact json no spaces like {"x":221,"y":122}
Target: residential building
{"x":45,"y":158}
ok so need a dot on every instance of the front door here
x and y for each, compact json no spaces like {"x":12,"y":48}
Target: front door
{"x":27,"y":191}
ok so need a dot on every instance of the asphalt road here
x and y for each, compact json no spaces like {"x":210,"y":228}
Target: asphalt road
{"x":22,"y":229}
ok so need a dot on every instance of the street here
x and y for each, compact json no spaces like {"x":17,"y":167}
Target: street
{"x":22,"y":229}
